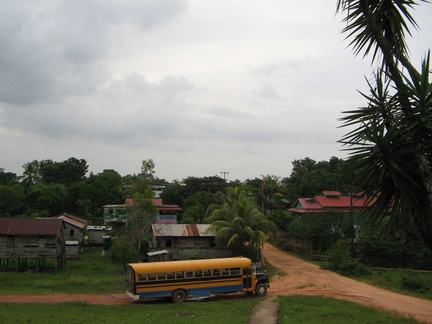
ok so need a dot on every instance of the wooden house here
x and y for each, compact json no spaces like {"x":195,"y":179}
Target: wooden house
{"x":74,"y":228}
{"x":96,"y":234}
{"x":39,"y":239}
{"x":185,"y":241}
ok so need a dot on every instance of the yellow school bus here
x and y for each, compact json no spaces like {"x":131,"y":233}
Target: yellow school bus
{"x":180,"y":280}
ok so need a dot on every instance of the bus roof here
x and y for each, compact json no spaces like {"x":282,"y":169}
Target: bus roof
{"x":186,"y":265}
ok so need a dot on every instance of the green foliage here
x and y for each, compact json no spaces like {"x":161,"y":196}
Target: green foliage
{"x":238,"y":221}
{"x":281,"y":218}
{"x":341,"y":261}
{"x":48,"y":197}
{"x":309,"y":178}
{"x":203,"y":198}
{"x":123,"y":252}
{"x":389,"y":138}
{"x":12,"y":199}
{"x":414,"y":282}
{"x":99,"y":190}
{"x":385,"y":249}
{"x":67,"y":172}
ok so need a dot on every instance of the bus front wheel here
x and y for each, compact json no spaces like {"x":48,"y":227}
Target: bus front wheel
{"x":179,"y":296}
{"x":261,"y":290}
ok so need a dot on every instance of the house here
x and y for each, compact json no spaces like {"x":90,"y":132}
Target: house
{"x":332,"y":201}
{"x":117,"y":214}
{"x":39,"y":239}
{"x":74,"y":230}
{"x":96,"y":234}
{"x":184,"y":241}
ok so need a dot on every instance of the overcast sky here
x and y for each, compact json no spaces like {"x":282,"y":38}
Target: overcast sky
{"x":199,"y":86}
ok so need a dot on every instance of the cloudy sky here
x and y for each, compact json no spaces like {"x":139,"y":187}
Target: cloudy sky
{"x":199,"y":86}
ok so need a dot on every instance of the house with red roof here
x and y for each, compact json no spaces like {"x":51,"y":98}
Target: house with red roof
{"x":332,"y":201}
{"x":166,"y":214}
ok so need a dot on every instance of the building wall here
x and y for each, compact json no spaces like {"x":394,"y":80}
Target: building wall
{"x":31,"y":246}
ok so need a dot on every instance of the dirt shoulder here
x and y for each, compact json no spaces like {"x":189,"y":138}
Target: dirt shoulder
{"x":302,"y":278}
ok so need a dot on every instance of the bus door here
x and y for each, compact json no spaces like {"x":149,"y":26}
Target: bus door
{"x":247,"y":279}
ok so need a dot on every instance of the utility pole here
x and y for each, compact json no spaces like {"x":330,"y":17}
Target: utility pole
{"x":224,"y":173}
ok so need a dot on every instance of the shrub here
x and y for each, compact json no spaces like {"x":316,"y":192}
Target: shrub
{"x":341,"y":261}
{"x":411,"y":281}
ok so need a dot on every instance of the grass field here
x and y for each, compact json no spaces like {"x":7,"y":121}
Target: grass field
{"x":91,"y":273}
{"x":294,"y":309}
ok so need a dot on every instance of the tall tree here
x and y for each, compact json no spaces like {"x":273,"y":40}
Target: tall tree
{"x":271,"y":192}
{"x":391,"y":140}
{"x":31,"y":175}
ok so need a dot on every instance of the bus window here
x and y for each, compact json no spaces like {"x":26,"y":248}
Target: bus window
{"x":142,"y":277}
{"x":170,"y":275}
{"x":207,"y":273}
{"x":161,"y":276}
{"x":189,"y":274}
{"x":225,"y":272}
{"x":247,"y":271}
{"x":198,"y":273}
{"x":180,"y":274}
{"x":235,"y":271}
{"x":151,"y":276}
{"x":216,"y":272}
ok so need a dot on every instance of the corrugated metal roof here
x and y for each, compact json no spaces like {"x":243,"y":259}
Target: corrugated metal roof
{"x":182,"y":230}
{"x":30,"y":226}
{"x":73,"y":220}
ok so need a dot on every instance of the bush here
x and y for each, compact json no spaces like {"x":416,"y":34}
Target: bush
{"x":341,"y":261}
{"x":411,"y":281}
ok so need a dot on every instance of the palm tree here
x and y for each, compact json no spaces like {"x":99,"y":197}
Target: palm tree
{"x":32,"y":174}
{"x":238,"y":221}
{"x":391,"y":140}
{"x":271,"y":187}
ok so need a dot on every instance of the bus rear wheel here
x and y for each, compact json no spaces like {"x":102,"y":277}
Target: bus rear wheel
{"x":179,"y":296}
{"x":261,"y":290}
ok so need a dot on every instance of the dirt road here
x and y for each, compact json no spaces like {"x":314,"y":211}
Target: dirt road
{"x":302,"y":278}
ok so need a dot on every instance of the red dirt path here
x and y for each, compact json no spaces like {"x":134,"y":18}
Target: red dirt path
{"x":302,"y":278}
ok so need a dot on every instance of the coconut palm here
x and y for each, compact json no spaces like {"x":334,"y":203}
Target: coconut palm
{"x":32,"y":174}
{"x":238,"y":221}
{"x":271,"y":188}
{"x":391,"y":138}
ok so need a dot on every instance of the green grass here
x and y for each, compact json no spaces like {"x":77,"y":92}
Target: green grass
{"x":314,"y":309}
{"x":226,"y":311}
{"x":294,"y":309}
{"x":407,"y":282}
{"x":91,"y":273}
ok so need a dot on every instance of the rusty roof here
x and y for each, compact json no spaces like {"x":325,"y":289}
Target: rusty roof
{"x":30,"y":226}
{"x":182,"y":230}
{"x":73,"y":220}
